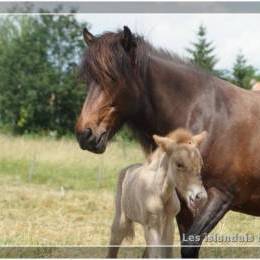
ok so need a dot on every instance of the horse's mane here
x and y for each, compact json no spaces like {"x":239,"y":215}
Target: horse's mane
{"x":107,"y":61}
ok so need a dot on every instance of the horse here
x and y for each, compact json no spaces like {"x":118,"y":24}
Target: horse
{"x":146,"y":194}
{"x":153,"y":91}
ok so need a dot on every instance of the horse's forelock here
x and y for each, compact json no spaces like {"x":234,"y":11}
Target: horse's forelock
{"x":106,"y":60}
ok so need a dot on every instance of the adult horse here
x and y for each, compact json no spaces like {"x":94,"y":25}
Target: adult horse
{"x":155,"y":92}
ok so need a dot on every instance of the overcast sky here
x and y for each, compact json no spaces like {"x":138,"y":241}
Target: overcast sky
{"x":230,"y":33}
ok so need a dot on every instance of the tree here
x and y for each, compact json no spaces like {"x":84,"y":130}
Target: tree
{"x":242,"y":73}
{"x":202,"y":51}
{"x":39,"y":90}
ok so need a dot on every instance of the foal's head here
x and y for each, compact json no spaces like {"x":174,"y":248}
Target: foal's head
{"x":184,"y":165}
{"x":109,"y":67}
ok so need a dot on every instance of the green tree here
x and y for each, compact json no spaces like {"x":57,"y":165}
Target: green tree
{"x":257,"y":76}
{"x":39,"y":90}
{"x":202,"y":51}
{"x":242,"y":72}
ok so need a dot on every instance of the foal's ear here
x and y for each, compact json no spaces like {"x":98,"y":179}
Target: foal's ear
{"x":128,"y":40}
{"x":88,"y":37}
{"x":164,"y":142}
{"x":199,"y":138}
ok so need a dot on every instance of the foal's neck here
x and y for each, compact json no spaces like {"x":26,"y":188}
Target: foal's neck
{"x":163,"y":174}
{"x":169,"y":183}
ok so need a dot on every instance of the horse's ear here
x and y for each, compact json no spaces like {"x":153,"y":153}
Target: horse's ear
{"x":128,"y":40}
{"x":88,"y":37}
{"x":166,"y":143}
{"x":198,"y":139}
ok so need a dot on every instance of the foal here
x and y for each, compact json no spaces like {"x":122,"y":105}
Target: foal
{"x":146,"y":193}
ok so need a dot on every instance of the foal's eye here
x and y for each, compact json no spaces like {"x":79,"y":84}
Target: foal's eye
{"x":180,"y":166}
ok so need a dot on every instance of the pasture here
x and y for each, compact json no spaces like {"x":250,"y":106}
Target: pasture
{"x":53,"y":193}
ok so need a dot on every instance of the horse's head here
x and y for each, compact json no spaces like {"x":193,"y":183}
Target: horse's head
{"x":113,"y":93}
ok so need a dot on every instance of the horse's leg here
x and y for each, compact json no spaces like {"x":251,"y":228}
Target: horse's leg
{"x":153,"y":239}
{"x":119,"y":231}
{"x":217,"y":205}
{"x":184,"y":220}
{"x":121,"y":226}
{"x":167,"y":238}
{"x":145,"y":253}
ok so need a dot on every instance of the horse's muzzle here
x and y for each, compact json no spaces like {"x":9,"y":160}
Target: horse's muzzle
{"x":88,"y":141}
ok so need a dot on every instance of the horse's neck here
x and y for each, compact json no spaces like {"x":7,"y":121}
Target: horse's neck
{"x":164,"y":178}
{"x":169,"y":91}
{"x":174,"y":86}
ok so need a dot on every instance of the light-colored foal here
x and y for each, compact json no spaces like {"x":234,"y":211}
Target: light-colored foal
{"x":146,"y":193}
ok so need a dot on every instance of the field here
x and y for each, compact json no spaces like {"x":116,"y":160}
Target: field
{"x":52,"y":193}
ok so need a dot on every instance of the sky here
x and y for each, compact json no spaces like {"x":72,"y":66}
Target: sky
{"x":230,"y":33}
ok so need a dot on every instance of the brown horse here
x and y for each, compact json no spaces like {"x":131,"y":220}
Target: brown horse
{"x":155,"y":92}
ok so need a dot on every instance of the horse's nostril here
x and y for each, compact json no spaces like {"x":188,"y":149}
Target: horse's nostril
{"x":87,"y":133}
{"x":198,"y":196}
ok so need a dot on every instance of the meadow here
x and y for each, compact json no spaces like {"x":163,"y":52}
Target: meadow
{"x":53,"y":193}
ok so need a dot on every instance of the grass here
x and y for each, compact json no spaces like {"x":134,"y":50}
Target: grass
{"x":52,"y":193}
{"x":57,"y":194}
{"x":44,"y":216}
{"x":62,"y":164}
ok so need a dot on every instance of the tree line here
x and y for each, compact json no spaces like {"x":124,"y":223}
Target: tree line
{"x":202,"y":53}
{"x":39,"y":88}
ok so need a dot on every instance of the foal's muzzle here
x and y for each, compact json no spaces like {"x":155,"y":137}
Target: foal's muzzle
{"x":197,"y":200}
{"x":93,"y":143}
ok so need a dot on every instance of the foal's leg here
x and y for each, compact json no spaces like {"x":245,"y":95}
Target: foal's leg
{"x":217,"y":205}
{"x":121,"y":226}
{"x":119,"y":230}
{"x":145,"y":253}
{"x":167,"y":238}
{"x":153,"y":239}
{"x":153,"y":232}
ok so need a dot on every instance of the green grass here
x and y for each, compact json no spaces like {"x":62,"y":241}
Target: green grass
{"x":57,"y":175}
{"x":59,"y":163}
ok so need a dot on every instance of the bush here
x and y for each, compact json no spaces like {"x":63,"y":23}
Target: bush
{"x":39,"y":90}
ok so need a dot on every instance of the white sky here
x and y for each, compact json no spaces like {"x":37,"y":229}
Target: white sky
{"x":229,"y":32}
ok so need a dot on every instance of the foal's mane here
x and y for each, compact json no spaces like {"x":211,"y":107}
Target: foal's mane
{"x":180,"y":136}
{"x":106,"y":60}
